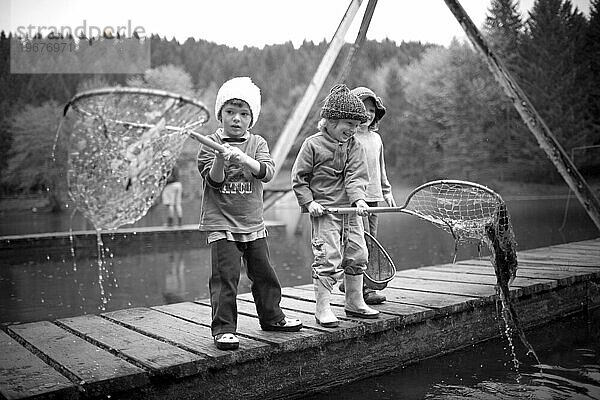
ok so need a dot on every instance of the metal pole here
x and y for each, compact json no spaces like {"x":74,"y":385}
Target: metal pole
{"x":296,"y":120}
{"x":534,"y":121}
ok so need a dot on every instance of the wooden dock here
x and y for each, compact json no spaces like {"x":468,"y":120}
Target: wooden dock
{"x":166,"y":352}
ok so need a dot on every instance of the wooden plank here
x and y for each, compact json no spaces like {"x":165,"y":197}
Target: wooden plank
{"x":560,"y":250}
{"x":187,"y":335}
{"x":392,"y":314}
{"x":246,"y":326}
{"x":557,"y":264}
{"x":558,"y":260}
{"x":308,"y":321}
{"x":23,"y":375}
{"x":97,"y":371}
{"x":536,"y":265}
{"x":439,"y":302}
{"x":562,"y":277}
{"x":460,"y":289}
{"x":570,"y":257}
{"x":347,"y":329}
{"x":159,"y":357}
{"x":457,"y":276}
{"x":593,"y":248}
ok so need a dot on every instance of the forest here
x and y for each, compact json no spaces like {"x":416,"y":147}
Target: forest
{"x":446,"y":115}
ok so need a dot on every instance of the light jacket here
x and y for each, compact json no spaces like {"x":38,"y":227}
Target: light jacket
{"x":332,"y":173}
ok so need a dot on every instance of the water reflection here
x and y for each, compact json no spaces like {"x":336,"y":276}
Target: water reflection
{"x":175,"y":288}
{"x":570,"y":349}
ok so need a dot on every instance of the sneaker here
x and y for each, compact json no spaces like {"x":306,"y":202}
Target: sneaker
{"x":226,"y":341}
{"x":285,"y":325}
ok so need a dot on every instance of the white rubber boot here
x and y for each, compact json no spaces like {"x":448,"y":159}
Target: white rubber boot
{"x":323,"y":314}
{"x":355,"y":303}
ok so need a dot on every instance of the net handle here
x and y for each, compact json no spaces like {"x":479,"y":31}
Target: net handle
{"x":135,"y":90}
{"x":207,"y":142}
{"x":376,"y":210}
{"x":372,"y":210}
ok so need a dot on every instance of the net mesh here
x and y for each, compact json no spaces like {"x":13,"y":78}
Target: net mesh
{"x":462,"y":209}
{"x":122,"y":146}
{"x":380,"y":266}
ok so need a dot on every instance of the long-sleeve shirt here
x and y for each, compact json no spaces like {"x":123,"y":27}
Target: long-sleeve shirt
{"x":379,"y":184}
{"x":332,"y":173}
{"x":236,"y":204}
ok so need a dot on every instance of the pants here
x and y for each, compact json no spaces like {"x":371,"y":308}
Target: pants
{"x":338,"y":246}
{"x":223,"y":283}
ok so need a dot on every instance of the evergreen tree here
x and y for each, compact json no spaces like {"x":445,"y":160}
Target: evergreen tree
{"x":592,"y":50}
{"x":551,"y":71}
{"x":504,"y":28}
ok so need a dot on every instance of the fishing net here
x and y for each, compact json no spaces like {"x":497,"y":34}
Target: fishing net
{"x":122,"y":146}
{"x":463,"y":209}
{"x":380,"y":267}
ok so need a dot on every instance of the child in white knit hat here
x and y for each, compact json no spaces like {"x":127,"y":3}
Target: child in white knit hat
{"x":232,"y":214}
{"x":330,"y":171}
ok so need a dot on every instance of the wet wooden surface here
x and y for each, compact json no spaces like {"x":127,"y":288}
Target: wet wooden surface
{"x":168,"y":352}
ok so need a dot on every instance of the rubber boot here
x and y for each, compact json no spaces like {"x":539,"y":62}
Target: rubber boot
{"x":169,"y":221}
{"x":323,"y":314}
{"x":179,"y":221}
{"x":355,"y":303}
{"x":372,"y":297}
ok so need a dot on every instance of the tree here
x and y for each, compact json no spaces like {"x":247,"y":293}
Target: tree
{"x":165,"y":77}
{"x":551,"y":72}
{"x":592,"y":50}
{"x":31,"y":165}
{"x":504,"y":29}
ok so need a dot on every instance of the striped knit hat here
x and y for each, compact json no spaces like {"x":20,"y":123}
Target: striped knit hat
{"x":342,"y":104}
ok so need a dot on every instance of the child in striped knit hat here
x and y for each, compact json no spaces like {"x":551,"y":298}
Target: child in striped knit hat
{"x":330,"y":171}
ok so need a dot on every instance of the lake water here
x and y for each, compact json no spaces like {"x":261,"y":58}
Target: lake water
{"x":40,"y":287}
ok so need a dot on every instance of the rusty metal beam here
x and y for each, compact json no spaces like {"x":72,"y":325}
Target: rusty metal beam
{"x":534,"y":121}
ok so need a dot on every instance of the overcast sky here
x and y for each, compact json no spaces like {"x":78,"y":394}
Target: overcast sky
{"x":251,"y":22}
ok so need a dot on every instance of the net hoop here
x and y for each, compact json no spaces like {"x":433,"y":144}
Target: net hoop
{"x":122,"y":145}
{"x":464,"y":224}
{"x":380,"y":266}
{"x":134,"y":90}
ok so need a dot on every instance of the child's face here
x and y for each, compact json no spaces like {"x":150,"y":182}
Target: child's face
{"x":370,"y":106}
{"x":343,"y":130}
{"x":235,"y":118}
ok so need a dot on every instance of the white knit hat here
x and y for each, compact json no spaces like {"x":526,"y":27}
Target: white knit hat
{"x":239,"y":88}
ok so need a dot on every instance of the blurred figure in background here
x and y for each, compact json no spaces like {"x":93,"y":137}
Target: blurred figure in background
{"x":171,"y":197}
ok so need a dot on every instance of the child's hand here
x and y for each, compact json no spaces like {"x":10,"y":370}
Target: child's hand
{"x":389,"y":199}
{"x":315,"y":209}
{"x":226,"y":155}
{"x":362,"y":208}
{"x":238,"y":156}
